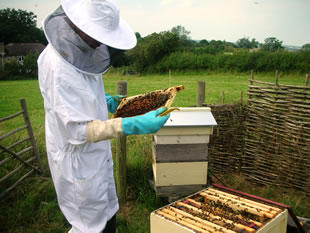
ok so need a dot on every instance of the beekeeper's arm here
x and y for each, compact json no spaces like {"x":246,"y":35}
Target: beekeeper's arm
{"x":113,"y":102}
{"x":148,"y":123}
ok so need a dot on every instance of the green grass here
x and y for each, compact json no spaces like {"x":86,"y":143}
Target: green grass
{"x":32,"y":207}
{"x":216,"y":84}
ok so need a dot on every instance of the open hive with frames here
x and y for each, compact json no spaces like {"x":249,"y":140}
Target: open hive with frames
{"x":214,"y":210}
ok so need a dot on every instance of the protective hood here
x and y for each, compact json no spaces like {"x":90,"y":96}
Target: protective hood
{"x":72,"y":48}
{"x":101,"y":20}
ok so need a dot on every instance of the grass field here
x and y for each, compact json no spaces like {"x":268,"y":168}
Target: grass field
{"x":32,"y":207}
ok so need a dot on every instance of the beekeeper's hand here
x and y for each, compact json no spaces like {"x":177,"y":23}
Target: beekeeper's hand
{"x":113,"y":102}
{"x":148,"y":123}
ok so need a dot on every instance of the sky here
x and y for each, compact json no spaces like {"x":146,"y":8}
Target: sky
{"x":229,"y":20}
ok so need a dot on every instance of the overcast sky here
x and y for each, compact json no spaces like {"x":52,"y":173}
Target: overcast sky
{"x":230,"y":20}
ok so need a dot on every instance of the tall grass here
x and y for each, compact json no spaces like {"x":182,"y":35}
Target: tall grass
{"x":32,"y":207}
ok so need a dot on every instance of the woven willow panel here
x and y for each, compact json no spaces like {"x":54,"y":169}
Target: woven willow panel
{"x":277,"y":143}
{"x":226,"y":143}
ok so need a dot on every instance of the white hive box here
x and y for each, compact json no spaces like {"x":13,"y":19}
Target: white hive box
{"x":191,"y":122}
{"x":214,"y":210}
{"x":180,"y":152}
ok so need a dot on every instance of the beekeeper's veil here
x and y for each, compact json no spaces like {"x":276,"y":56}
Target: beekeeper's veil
{"x":100,"y":20}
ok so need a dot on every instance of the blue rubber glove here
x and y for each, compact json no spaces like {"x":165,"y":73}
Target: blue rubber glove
{"x":145,"y":124}
{"x":113,"y":102}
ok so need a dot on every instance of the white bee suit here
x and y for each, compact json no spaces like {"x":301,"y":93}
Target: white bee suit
{"x":82,"y":172}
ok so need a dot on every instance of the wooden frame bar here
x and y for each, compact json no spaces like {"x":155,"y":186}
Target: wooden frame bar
{"x":18,"y":158}
{"x":243,"y":202}
{"x":16,"y":170}
{"x":204,"y":222}
{"x":16,"y":183}
{"x":13,"y":132}
{"x":255,"y":203}
{"x":237,"y":206}
{"x":195,"y":209}
{"x":11,"y":116}
{"x":16,"y":143}
{"x":31,"y":135}
{"x":185,"y":223}
{"x":18,"y":154}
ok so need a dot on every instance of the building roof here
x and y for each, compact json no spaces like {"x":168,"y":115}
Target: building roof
{"x":22,"y":49}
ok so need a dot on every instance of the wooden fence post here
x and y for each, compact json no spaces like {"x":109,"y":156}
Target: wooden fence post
{"x":277,"y":78}
{"x":251,"y":82}
{"x":223,"y":97}
{"x":121,"y":164}
{"x":200,"y":93}
{"x":31,"y":135}
{"x":250,"y":86}
{"x":307,"y":80}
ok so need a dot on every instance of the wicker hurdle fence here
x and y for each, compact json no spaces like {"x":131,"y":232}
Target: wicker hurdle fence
{"x":227,"y":142}
{"x":277,"y":143}
{"x":267,"y":140}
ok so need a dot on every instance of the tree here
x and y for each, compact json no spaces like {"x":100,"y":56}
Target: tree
{"x":30,"y":66}
{"x":19,"y":26}
{"x":138,"y":35}
{"x":217,"y":44}
{"x":306,"y":47}
{"x":181,"y":32}
{"x":246,"y":43}
{"x":153,"y":48}
{"x":272,"y":44}
{"x":12,"y":67}
{"x":203,"y":43}
{"x":254,"y":43}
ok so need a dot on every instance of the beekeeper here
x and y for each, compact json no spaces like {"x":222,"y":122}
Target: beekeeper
{"x":77,"y":127}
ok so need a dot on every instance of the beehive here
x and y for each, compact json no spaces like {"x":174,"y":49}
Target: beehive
{"x":180,"y":152}
{"x":214,"y":210}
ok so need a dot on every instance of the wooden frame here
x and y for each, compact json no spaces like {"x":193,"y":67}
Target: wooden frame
{"x":172,"y":91}
{"x":33,"y":163}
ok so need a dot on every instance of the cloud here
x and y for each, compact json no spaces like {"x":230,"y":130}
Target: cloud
{"x":164,"y":3}
{"x":176,"y":3}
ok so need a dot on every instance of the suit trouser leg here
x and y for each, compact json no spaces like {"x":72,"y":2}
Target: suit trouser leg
{"x":111,"y":225}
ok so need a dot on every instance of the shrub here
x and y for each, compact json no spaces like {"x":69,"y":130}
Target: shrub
{"x":303,"y":61}
{"x":30,"y":66}
{"x":12,"y":67}
{"x":240,"y":61}
{"x":14,"y":70}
